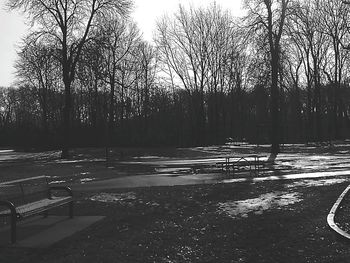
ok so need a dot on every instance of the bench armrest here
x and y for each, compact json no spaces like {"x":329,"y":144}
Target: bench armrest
{"x":9,"y":205}
{"x":61,"y":187}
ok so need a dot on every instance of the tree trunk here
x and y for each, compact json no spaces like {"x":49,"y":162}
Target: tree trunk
{"x":318,"y":105}
{"x":275,"y":118}
{"x":66,"y":119}
{"x":111,"y":113}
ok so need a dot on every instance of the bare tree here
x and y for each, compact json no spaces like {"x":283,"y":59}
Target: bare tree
{"x":117,"y":39}
{"x":334,"y":19}
{"x":181,"y":45}
{"x":307,"y":34}
{"x":224,"y":55}
{"x":37,"y":66}
{"x":147,"y":58}
{"x":90,"y":75}
{"x":293,"y":63}
{"x":68,"y":23}
{"x":194,"y":45}
{"x":7,"y":107}
{"x":268,"y":17}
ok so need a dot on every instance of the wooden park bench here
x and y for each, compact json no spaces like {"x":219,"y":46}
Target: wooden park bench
{"x":23,"y":198}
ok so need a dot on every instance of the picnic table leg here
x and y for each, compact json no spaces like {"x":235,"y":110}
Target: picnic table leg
{"x":227,"y":160}
{"x":255,"y":165}
{"x":227,"y":165}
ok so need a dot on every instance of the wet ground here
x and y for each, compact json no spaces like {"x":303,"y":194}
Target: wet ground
{"x":90,"y":168}
{"x":278,"y":215}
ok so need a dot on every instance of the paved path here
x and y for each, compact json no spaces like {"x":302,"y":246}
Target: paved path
{"x":171,"y":180}
{"x":148,"y":180}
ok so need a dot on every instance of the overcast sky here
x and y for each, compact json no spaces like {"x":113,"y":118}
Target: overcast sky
{"x":146,"y":12}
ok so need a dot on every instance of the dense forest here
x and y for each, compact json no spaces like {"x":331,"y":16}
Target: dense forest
{"x":86,"y":77}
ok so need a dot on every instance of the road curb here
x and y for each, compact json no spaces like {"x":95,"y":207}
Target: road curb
{"x":332,"y":213}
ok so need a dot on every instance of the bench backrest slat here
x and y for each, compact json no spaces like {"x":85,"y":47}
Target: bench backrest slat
{"x":24,"y":191}
{"x":41,"y":177}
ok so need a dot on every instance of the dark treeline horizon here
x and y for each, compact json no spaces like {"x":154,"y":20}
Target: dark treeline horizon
{"x":243,"y":116}
{"x":205,"y":79}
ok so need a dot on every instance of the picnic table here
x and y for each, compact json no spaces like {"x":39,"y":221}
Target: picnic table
{"x":253,"y":162}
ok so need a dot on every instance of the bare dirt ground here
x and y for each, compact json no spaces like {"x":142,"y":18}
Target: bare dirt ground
{"x":244,"y":221}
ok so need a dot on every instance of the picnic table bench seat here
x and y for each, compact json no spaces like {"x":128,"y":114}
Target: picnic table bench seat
{"x":23,"y":198}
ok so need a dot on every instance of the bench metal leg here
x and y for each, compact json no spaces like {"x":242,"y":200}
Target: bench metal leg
{"x":71,"y":209}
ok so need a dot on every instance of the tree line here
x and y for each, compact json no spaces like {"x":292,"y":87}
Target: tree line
{"x":85,"y":75}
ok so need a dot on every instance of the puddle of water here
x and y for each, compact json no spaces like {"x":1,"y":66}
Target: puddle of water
{"x":148,"y":157}
{"x":81,"y":160}
{"x":174,"y":170}
{"x":320,"y":158}
{"x":113,"y":197}
{"x":312,"y":183}
{"x":6,"y":151}
{"x":275,"y":200}
{"x":84,"y":180}
{"x":289,"y":176}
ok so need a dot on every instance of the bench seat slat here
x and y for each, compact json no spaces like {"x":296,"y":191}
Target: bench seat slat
{"x":38,"y":206}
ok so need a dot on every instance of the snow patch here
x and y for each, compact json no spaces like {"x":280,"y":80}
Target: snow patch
{"x":275,"y":200}
{"x":57,"y":182}
{"x":113,"y":197}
